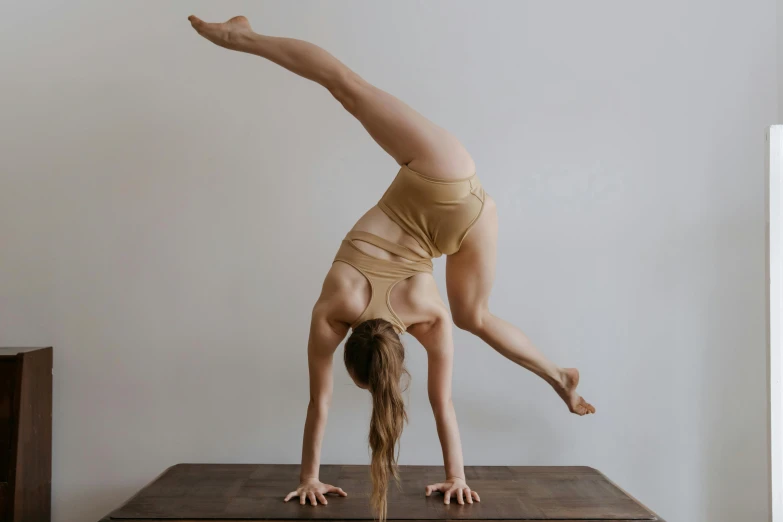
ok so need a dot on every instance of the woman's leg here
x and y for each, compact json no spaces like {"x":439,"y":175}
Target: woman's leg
{"x":411,"y":139}
{"x":406,"y":135}
{"x":469,"y":277}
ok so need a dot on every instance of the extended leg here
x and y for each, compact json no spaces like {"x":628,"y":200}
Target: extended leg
{"x":469,"y":277}
{"x":406,"y":135}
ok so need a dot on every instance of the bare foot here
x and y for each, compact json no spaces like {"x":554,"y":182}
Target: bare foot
{"x":231,"y":34}
{"x":567,"y":392}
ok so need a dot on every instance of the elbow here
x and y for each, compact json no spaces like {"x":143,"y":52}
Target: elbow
{"x":441,"y":405}
{"x":319,"y":405}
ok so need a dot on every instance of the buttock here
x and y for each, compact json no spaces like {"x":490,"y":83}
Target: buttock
{"x":437,"y":213}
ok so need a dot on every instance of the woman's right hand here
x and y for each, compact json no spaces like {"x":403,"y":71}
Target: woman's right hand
{"x":315,"y":490}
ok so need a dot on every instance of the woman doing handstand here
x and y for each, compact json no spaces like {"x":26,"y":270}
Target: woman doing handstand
{"x":380,"y":284}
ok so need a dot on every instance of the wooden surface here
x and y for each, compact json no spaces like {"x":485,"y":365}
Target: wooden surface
{"x":255,"y":492}
{"x":25,"y":434}
{"x":6,"y":351}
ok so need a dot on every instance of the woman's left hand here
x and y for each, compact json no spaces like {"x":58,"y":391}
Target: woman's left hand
{"x":454,"y":487}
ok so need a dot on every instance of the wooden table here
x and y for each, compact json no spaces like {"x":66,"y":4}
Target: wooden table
{"x":255,"y":492}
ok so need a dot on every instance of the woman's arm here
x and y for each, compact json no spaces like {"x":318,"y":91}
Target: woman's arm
{"x":324,"y":339}
{"x":436,"y":337}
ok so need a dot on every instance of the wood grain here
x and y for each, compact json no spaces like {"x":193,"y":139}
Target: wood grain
{"x":255,"y":491}
{"x":25,"y":434}
{"x":32,"y":461}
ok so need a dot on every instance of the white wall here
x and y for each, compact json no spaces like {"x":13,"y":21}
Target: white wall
{"x":780,"y":60}
{"x":168,"y":210}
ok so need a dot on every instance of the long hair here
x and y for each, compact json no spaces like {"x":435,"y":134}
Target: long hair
{"x":375,"y":358}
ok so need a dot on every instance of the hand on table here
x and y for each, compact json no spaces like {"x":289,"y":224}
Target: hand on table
{"x":315,"y":490}
{"x":454,"y":487}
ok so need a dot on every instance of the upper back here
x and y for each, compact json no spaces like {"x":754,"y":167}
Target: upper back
{"x":347,"y":295}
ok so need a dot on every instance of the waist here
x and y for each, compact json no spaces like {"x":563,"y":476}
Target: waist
{"x":439,"y":188}
{"x":398,"y":257}
{"x":378,"y":223}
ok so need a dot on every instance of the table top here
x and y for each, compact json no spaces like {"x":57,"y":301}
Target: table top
{"x":15,"y":351}
{"x":255,"y":492}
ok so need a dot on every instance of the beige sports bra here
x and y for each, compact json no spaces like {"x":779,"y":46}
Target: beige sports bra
{"x":382,"y":274}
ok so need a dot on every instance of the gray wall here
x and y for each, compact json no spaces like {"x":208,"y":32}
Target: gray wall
{"x":168,"y":211}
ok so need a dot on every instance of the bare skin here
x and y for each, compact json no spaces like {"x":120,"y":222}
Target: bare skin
{"x":410,"y":139}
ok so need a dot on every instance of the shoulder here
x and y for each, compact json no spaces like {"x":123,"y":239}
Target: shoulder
{"x":432,"y":318}
{"x":344,"y":295}
{"x":421,"y":288}
{"x":423,"y":298}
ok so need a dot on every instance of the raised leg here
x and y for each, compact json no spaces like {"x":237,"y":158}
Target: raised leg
{"x":470,"y":274}
{"x":406,"y":135}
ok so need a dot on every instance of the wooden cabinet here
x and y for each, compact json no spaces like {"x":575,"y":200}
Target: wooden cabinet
{"x":25,"y":434}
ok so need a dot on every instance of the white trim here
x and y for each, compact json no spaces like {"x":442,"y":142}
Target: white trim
{"x":775,"y":299}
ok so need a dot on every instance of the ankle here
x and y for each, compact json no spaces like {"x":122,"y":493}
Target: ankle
{"x":558,"y":378}
{"x":242,"y":40}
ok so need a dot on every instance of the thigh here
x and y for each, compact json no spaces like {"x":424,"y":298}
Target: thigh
{"x":407,"y":136}
{"x":470,"y":272}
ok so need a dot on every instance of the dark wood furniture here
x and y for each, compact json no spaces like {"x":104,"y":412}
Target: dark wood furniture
{"x":255,"y":492}
{"x":25,"y":434}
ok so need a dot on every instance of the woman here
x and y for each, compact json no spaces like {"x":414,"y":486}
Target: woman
{"x":381,"y":283}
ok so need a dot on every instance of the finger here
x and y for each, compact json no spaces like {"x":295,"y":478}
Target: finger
{"x":447,"y":496}
{"x":289,"y":496}
{"x":440,"y":486}
{"x":302,"y":498}
{"x":427,"y":491}
{"x":468,"y":496}
{"x":311,"y":496}
{"x":339,"y":491}
{"x":475,"y":496}
{"x":460,"y":499}
{"x":322,"y":498}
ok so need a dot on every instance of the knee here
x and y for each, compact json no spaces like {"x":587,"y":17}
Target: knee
{"x":472,"y":320}
{"x":346,"y":87}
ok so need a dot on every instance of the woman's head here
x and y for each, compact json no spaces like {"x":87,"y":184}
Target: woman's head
{"x":375,"y":360}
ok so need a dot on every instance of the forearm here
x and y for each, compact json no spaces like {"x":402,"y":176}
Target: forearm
{"x":315,"y":426}
{"x":448,"y":433}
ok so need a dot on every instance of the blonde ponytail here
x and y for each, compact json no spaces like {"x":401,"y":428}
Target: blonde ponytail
{"x":375,"y":358}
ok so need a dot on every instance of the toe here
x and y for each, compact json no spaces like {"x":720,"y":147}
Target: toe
{"x":195,"y":21}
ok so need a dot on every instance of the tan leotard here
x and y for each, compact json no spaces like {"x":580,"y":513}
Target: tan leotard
{"x":437,"y":213}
